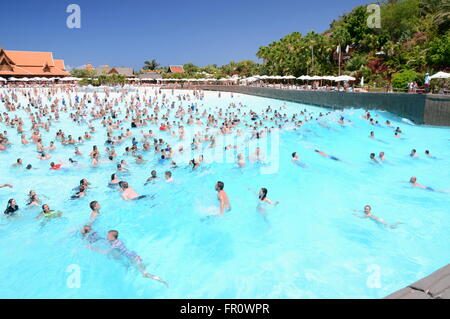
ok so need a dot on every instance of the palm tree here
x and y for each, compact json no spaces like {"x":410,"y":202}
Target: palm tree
{"x":151,"y":65}
{"x":442,"y":15}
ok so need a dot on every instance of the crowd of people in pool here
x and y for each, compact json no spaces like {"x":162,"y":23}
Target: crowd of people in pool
{"x":133,"y":110}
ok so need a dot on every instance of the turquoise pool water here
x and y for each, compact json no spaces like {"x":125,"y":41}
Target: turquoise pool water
{"x":309,"y":246}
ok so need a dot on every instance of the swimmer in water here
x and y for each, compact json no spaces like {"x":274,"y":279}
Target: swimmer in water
{"x":263,"y":201}
{"x":414,"y":153}
{"x":77,"y":152}
{"x":6,"y":185}
{"x":128,"y":193}
{"x":19,"y":162}
{"x":118,"y":248}
{"x":33,"y":200}
{"x":372,"y":157}
{"x":83,"y":183}
{"x":168,"y":176}
{"x":329,"y":156}
{"x":48,"y":213}
{"x":413,"y":182}
{"x":257,"y":156}
{"x":296,"y":160}
{"x":194,"y":164}
{"x":90,"y":236}
{"x":368,"y":214}
{"x":114,"y":181}
{"x":54,"y":166}
{"x":427,"y":153}
{"x":43,"y":156}
{"x":153,"y":177}
{"x":73,"y":162}
{"x":222,"y":196}
{"x":95,"y":210}
{"x":240,"y":160}
{"x":81,"y":193}
{"x":11,"y":208}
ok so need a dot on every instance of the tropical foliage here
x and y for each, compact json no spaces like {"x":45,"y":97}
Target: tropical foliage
{"x":151,"y":65}
{"x":414,"y":36}
{"x":90,"y":77}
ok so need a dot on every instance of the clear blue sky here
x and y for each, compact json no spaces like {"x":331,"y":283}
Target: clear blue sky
{"x":126,"y":33}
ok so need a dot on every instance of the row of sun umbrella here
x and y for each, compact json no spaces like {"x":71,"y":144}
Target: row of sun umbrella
{"x":439,"y":75}
{"x":303,"y":77}
{"x":198,"y":80}
{"x":41,"y":79}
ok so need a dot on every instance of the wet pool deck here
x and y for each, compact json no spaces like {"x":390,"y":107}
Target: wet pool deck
{"x":434,"y":286}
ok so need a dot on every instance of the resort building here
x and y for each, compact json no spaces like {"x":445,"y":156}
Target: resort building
{"x":107,"y":70}
{"x":30,"y":64}
{"x":175,"y":69}
{"x":149,"y":75}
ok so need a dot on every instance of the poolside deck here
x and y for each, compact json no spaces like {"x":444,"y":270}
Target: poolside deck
{"x":434,"y":286}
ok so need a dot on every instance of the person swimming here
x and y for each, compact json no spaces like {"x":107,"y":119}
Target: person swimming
{"x":372,"y":157}
{"x":153,"y":177}
{"x":168,"y":176}
{"x":128,"y":193}
{"x":240,"y":160}
{"x":54,"y":166}
{"x":48,"y":213}
{"x":90,"y":236}
{"x":33,"y":200}
{"x":118,"y":248}
{"x":19,"y":162}
{"x":95,"y":210}
{"x":11,"y":207}
{"x":257,"y":156}
{"x":222,"y":196}
{"x":114,"y":181}
{"x":413,"y":182}
{"x":81,"y":192}
{"x":263,"y":201}
{"x":413,"y":153}
{"x":329,"y":156}
{"x":83,"y":182}
{"x":368,"y":214}
{"x":428,"y":154}
{"x":296,"y":160}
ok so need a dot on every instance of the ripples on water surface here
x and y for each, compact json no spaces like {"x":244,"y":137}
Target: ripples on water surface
{"x":310,"y":246}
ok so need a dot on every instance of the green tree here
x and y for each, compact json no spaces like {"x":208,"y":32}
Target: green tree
{"x":401,"y":79}
{"x":438,"y":54}
{"x":81,"y":73}
{"x":400,"y":20}
{"x":191,"y":68}
{"x":151,"y":65}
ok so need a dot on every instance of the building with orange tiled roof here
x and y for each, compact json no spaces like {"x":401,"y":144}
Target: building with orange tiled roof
{"x":30,"y":64}
{"x":175,"y":69}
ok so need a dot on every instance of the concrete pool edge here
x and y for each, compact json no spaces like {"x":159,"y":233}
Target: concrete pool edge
{"x":433,"y":286}
{"x":429,"y":109}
